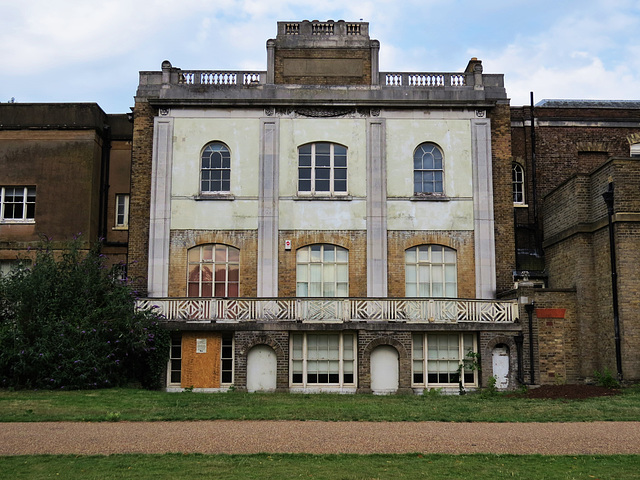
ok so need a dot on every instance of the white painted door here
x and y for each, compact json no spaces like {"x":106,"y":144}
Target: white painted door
{"x":384,"y":370}
{"x":500,"y":356}
{"x":261,"y":369}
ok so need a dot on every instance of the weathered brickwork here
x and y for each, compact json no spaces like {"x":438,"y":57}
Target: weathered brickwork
{"x":140,"y":197}
{"x":460,"y":241}
{"x":502,"y":195}
{"x":354,"y":241}
{"x":487,"y":342}
{"x":182,"y":240}
{"x":578,"y":256}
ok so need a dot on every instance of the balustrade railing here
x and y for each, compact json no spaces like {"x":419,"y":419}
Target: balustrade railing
{"x":223,"y":78}
{"x":404,"y":79}
{"x":309,"y":310}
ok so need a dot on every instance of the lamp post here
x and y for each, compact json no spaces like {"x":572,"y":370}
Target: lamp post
{"x":608,"y":199}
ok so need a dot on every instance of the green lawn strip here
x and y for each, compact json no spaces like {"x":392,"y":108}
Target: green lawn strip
{"x":283,"y":466}
{"x":143,"y":405}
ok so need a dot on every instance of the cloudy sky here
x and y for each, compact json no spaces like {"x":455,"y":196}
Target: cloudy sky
{"x":92,"y":51}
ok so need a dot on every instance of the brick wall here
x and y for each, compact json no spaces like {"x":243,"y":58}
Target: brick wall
{"x":139,"y":202}
{"x":502,"y":195}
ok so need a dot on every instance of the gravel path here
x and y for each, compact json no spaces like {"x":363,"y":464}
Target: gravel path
{"x":319,"y":437}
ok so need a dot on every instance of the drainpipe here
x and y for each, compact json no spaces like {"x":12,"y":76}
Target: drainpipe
{"x":608,"y":199}
{"x":529,"y":309}
{"x":534,"y":182}
{"x":104,"y":183}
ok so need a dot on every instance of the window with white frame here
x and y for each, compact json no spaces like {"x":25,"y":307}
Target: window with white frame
{"x":517,"y":176}
{"x":322,"y":271}
{"x":431,"y":271}
{"x":635,"y":150}
{"x":226,"y":359}
{"x":213,"y":271}
{"x":122,"y":211}
{"x":323,"y":359}
{"x":17,"y":204}
{"x":437,"y":358}
{"x":322,"y":169}
{"x":215,"y":169}
{"x":175,"y":360}
{"x":428,"y":170}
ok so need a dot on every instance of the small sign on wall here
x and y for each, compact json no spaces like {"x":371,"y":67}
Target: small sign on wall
{"x":287,"y":244}
{"x":201,"y":345}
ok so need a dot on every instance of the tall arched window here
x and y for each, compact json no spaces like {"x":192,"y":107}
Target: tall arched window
{"x":428,"y":170}
{"x":518,"y":183}
{"x":322,"y":271}
{"x":214,"y":271}
{"x":322,"y":169}
{"x":430,"y":271}
{"x":215,"y":168}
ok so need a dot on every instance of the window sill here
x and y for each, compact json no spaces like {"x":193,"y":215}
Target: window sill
{"x":17,"y":222}
{"x":520,"y":205}
{"x":344,"y":198}
{"x":430,"y":198}
{"x":214,"y":196}
{"x":121,"y":227}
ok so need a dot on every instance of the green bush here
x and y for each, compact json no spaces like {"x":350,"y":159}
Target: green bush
{"x":69,"y":322}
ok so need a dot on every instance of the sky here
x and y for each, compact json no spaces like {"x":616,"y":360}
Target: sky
{"x":92,"y":51}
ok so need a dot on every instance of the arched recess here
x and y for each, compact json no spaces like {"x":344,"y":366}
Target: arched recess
{"x":262,"y":369}
{"x":385,"y":370}
{"x":404,"y":363}
{"x":487,"y":359}
{"x":244,"y":347}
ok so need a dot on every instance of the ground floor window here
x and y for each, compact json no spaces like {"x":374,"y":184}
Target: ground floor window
{"x":323,"y":359}
{"x":226,"y":359}
{"x":437,"y":358}
{"x":175,"y":360}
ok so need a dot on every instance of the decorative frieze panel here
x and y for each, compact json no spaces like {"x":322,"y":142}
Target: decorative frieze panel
{"x":333,"y":310}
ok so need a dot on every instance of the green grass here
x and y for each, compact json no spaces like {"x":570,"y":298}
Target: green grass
{"x":263,"y":466}
{"x":142,"y":405}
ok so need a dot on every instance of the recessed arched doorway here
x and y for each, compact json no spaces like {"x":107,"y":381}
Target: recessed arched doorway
{"x":500,"y":361}
{"x":262,"y":366}
{"x":384,"y":370}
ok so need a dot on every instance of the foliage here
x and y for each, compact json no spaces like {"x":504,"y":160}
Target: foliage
{"x":69,"y":322}
{"x":606,"y":379}
{"x":470,"y":362}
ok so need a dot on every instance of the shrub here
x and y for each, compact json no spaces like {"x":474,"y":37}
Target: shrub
{"x":69,"y":322}
{"x":606,"y":379}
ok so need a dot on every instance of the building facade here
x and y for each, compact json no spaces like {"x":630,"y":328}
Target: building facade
{"x":64,"y":173}
{"x":324,"y":226}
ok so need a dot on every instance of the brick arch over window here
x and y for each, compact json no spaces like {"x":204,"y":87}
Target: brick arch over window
{"x":404,"y":360}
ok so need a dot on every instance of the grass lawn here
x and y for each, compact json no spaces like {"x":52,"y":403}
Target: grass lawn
{"x":142,"y":405}
{"x":263,"y":466}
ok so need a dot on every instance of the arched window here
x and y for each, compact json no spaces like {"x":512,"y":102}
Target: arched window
{"x":215,"y":168}
{"x":430,"y":271}
{"x":322,"y":169}
{"x":517,"y":177}
{"x":428,"y":170}
{"x":322,"y":271}
{"x":214,"y":271}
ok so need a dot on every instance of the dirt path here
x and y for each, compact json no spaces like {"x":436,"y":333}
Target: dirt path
{"x":319,"y":437}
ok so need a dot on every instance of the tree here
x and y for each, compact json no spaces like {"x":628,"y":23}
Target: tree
{"x":69,"y":322}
